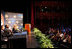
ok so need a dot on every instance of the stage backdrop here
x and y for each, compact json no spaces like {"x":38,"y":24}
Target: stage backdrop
{"x":14,"y":18}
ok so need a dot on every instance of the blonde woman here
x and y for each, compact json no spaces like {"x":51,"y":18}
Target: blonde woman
{"x":15,"y":29}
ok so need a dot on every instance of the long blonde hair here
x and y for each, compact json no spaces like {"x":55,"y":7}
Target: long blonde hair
{"x":15,"y":26}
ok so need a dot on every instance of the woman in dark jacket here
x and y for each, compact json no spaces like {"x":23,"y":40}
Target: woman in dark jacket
{"x":15,"y":29}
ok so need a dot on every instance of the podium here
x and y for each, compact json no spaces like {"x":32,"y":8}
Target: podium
{"x":28,"y":28}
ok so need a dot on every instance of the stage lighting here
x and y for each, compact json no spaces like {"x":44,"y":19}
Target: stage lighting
{"x":9,"y":21}
{"x":6,"y":16}
{"x":14,"y":16}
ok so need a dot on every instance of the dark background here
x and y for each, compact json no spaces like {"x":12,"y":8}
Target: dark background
{"x":24,"y":6}
{"x":18,"y":7}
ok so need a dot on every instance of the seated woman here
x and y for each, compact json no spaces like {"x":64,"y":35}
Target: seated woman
{"x":15,"y":29}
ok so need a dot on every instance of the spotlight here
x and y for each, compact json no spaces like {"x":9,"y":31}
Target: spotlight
{"x":14,"y":16}
{"x":6,"y":16}
{"x":9,"y":21}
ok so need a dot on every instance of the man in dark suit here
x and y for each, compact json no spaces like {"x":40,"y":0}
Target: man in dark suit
{"x":7,"y":31}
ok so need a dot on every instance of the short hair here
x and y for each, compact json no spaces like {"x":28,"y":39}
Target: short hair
{"x":6,"y":26}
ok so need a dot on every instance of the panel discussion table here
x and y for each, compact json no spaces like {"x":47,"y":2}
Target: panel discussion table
{"x":22,"y":40}
{"x":18,"y":40}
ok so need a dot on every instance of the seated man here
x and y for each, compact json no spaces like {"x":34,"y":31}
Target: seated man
{"x":7,"y":31}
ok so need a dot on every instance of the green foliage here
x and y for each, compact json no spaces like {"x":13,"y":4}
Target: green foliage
{"x":42,"y":39}
{"x":23,"y":28}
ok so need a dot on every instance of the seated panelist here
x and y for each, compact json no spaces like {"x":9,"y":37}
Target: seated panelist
{"x":15,"y":29}
{"x":7,"y":31}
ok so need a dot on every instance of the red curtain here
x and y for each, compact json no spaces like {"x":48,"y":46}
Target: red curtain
{"x":32,"y":16}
